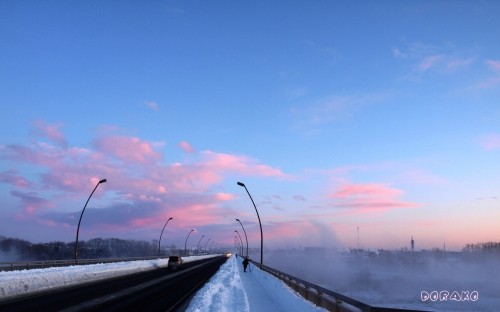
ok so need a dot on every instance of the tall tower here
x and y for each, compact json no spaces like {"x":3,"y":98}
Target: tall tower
{"x":412,"y":244}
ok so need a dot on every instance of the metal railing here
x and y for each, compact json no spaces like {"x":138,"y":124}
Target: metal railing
{"x":323,"y":297}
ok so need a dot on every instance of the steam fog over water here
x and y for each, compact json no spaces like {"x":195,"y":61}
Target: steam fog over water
{"x":397,"y":279}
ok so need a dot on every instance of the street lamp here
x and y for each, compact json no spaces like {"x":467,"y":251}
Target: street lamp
{"x":206,"y":244}
{"x":240,"y":241}
{"x":198,"y":248}
{"x":240,"y":245}
{"x":244,"y":232}
{"x":211,"y":246}
{"x":260,"y":224}
{"x":242,"y":254}
{"x":162,"y":234}
{"x":79,"y":221}
{"x":185,"y":243}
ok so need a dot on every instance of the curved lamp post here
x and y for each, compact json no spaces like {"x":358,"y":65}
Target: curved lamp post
{"x":198,"y":248}
{"x":206,"y":244}
{"x":79,"y":221}
{"x":242,"y":254}
{"x":162,"y":234}
{"x":185,"y":243}
{"x":260,"y":224}
{"x":240,"y":245}
{"x":244,"y":232}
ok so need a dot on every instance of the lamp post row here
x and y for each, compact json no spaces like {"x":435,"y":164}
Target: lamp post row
{"x":159,"y":241}
{"x":260,"y":224}
{"x":240,"y":241}
{"x":240,"y":245}
{"x":185,"y":243}
{"x":206,"y":244}
{"x":198,"y":247}
{"x":246,"y":238}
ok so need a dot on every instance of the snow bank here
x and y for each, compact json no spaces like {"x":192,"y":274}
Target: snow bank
{"x":23,"y":282}
{"x":224,"y":292}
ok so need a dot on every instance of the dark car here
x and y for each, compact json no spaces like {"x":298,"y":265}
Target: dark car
{"x":174,"y":262}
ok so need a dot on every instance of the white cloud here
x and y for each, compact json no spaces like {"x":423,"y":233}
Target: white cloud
{"x":152,"y":105}
{"x":429,"y":58}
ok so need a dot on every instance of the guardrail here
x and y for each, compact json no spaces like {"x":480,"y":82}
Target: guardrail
{"x":323,"y":297}
{"x":28,"y":265}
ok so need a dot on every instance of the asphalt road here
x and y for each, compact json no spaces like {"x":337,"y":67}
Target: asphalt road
{"x":156,"y":290}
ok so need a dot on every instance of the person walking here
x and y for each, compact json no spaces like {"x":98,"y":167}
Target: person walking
{"x":245,"y":263}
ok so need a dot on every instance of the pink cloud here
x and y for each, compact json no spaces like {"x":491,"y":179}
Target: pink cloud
{"x":76,"y":177}
{"x":73,"y":168}
{"x":444,"y":63}
{"x":369,"y":197}
{"x":373,"y":189}
{"x":211,"y":168}
{"x":144,"y":222}
{"x":12,"y":177}
{"x":429,"y":62}
{"x":146,"y":208}
{"x":190,"y":215}
{"x":224,"y":196}
{"x":31,"y":202}
{"x":494,"y":65}
{"x":491,"y":142}
{"x":134,"y":195}
{"x":128,"y":149}
{"x":186,"y":147}
{"x":238,"y":164}
{"x":52,"y":132}
{"x":68,"y":169}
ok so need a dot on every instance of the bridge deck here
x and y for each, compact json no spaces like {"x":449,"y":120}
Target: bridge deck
{"x":266,"y":293}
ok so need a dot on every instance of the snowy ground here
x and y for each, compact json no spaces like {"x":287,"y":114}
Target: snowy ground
{"x":231,"y":289}
{"x":19,"y":283}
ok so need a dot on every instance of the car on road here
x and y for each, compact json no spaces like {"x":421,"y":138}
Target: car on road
{"x":174,"y":262}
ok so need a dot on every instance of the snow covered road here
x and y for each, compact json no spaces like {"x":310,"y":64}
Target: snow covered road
{"x":231,"y":289}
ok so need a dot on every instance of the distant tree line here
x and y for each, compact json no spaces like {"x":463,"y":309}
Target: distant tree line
{"x":489,"y":247}
{"x":14,"y":249}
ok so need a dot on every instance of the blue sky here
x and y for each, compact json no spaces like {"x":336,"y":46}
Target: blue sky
{"x":377,"y":115}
